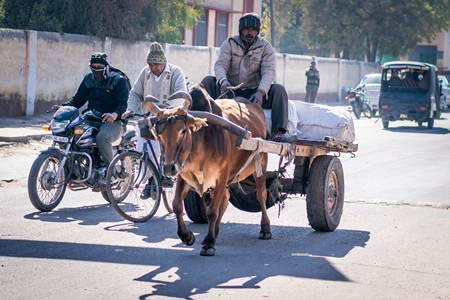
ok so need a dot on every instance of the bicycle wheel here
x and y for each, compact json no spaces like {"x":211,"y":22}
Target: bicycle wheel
{"x":127,"y":176}
{"x":168,"y":193}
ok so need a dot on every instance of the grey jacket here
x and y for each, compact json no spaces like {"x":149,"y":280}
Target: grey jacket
{"x":169,"y":82}
{"x":255,"y":67}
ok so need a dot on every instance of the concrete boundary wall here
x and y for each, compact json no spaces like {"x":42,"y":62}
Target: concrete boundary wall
{"x":39,"y":69}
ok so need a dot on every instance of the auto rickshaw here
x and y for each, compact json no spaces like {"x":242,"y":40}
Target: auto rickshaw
{"x":412,"y":95}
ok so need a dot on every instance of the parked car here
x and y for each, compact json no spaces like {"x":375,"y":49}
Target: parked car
{"x":371,"y":84}
{"x":445,"y":92}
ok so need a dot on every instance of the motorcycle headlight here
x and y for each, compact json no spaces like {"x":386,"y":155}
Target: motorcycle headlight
{"x":58,"y":126}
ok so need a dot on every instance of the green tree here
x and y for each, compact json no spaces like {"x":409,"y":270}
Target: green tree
{"x":287,"y":16}
{"x":2,"y":13}
{"x":125,"y":19}
{"x":330,"y":26}
{"x":373,"y":27}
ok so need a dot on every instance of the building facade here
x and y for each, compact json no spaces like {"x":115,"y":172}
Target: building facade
{"x":437,"y":52}
{"x":220,"y":20}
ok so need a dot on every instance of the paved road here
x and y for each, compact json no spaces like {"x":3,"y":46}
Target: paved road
{"x":404,"y":164}
{"x":392,"y":243}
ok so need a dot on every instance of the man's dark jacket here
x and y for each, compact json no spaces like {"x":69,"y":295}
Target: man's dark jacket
{"x":108,"y":96}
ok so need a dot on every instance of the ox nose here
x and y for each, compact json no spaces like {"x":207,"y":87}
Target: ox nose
{"x":170,"y":170}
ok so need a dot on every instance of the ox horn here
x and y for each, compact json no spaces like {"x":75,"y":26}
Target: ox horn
{"x":150,"y":104}
{"x":183,"y":95}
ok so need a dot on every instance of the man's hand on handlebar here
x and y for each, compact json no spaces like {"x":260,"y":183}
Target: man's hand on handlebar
{"x":109,"y":117}
{"x":54,"y":108}
{"x":128,"y":115}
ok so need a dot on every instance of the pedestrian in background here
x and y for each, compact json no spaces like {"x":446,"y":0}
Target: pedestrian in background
{"x":312,"y":83}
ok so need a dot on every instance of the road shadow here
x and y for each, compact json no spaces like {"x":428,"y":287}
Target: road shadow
{"x":417,"y":129}
{"x":85,"y":215}
{"x":242,"y":261}
{"x":88,"y":215}
{"x":94,"y":215}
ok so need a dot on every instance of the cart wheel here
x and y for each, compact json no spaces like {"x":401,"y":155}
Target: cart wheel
{"x":195,"y":207}
{"x":325,"y":193}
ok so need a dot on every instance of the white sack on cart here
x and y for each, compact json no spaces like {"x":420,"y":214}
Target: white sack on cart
{"x":292,"y":119}
{"x":316,"y":121}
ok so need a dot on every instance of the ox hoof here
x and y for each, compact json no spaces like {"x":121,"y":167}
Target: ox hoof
{"x":208,"y":252}
{"x":191,"y":241}
{"x":265,"y":235}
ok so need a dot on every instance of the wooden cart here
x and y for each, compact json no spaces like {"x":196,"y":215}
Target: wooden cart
{"x":318,"y":174}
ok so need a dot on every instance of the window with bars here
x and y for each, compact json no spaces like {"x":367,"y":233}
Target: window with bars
{"x":201,"y":31}
{"x":222,"y":27}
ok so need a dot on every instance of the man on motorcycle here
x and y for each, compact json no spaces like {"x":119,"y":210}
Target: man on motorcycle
{"x":106,"y":92}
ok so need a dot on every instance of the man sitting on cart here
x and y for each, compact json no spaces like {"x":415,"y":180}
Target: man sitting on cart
{"x":249,"y":59}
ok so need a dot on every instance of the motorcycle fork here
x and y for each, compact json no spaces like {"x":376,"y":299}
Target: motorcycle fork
{"x":63,"y":161}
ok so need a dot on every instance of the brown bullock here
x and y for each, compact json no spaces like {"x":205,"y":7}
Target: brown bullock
{"x":204,"y":156}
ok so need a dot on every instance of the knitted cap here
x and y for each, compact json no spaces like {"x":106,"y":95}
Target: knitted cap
{"x":99,"y":58}
{"x":249,"y":20}
{"x":156,"y":54}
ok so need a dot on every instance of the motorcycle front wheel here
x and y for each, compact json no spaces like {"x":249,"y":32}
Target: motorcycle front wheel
{"x":44,"y":189}
{"x":367,"y":111}
{"x":356,"y":109}
{"x":127,"y":176}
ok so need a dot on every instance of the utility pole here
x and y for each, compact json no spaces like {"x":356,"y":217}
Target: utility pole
{"x":272,"y":25}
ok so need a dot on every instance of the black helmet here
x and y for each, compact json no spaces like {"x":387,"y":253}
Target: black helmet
{"x":249,"y":20}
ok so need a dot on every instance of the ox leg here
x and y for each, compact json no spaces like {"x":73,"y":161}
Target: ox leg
{"x":214,"y":213}
{"x":186,"y":236}
{"x":261,"y":193}
{"x":223,"y":207}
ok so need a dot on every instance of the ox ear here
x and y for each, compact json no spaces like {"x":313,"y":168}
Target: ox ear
{"x":150,"y":104}
{"x":196,"y":124}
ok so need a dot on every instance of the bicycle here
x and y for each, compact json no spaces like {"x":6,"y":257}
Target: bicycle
{"x":127,"y":176}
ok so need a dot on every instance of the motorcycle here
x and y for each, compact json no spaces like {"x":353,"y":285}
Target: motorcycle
{"x":358,"y":102}
{"x":72,"y":161}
